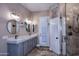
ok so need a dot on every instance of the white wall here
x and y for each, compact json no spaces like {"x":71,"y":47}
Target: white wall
{"x":4,"y":11}
{"x":36,"y":15}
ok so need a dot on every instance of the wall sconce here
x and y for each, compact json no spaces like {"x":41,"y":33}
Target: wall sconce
{"x":14,"y":16}
{"x":68,"y":18}
{"x":28,"y":21}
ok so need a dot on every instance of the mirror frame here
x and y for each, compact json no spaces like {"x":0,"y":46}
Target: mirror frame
{"x":12,"y":25}
{"x":27,"y":27}
{"x":76,"y":29}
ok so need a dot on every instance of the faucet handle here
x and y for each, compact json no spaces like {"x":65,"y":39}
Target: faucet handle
{"x":16,"y":36}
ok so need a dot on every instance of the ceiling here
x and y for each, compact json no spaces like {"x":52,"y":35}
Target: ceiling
{"x":35,"y":7}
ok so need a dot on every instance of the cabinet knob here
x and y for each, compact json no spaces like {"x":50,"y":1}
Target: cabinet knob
{"x":56,"y":37}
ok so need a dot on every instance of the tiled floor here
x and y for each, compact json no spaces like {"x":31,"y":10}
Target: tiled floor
{"x":41,"y":52}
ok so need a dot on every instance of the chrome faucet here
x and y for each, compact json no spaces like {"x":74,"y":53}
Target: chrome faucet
{"x":16,"y":36}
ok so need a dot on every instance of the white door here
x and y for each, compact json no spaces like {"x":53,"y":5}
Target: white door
{"x":55,"y":38}
{"x":43,"y":31}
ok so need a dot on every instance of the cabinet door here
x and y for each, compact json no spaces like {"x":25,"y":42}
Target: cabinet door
{"x":25,"y":48}
{"x":28,"y":45}
{"x":20,"y":49}
{"x":12,"y":49}
{"x":31,"y":44}
{"x":15,"y":49}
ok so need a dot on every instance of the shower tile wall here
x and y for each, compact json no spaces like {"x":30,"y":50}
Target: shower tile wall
{"x":73,"y":38}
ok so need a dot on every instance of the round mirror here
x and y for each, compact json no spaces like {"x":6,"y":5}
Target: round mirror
{"x":12,"y":26}
{"x":27,"y":26}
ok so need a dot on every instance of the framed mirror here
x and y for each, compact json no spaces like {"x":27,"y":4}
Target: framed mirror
{"x":33,"y":28}
{"x":75,"y":26}
{"x":12,"y":26}
{"x":27,"y":27}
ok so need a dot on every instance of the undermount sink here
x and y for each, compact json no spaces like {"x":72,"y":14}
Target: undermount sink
{"x":20,"y":38}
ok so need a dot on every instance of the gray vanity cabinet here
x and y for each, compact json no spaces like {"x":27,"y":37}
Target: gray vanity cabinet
{"x":22,"y":48}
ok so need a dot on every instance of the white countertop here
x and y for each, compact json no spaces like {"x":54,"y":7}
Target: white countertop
{"x":20,"y":38}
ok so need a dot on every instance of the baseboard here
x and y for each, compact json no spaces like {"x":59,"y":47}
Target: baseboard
{"x":3,"y":54}
{"x":38,"y":45}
